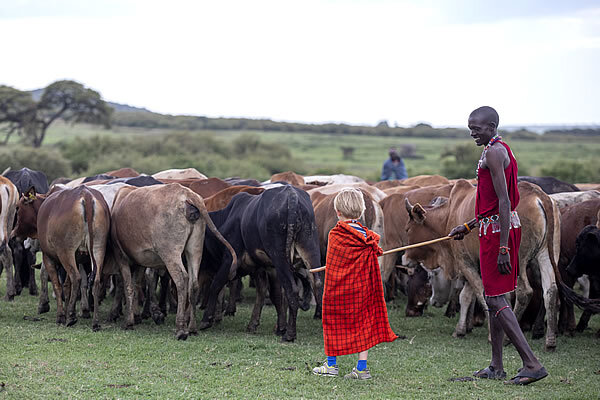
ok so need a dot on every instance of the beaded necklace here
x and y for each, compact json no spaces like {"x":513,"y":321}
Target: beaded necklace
{"x":493,"y":140}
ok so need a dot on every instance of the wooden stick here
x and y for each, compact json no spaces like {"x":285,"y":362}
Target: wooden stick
{"x":410,"y":246}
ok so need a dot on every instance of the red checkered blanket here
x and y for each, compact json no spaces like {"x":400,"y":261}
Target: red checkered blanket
{"x":354,"y":311}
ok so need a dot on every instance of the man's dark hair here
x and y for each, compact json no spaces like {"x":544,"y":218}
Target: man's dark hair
{"x":488,"y":114}
{"x":394,"y":155}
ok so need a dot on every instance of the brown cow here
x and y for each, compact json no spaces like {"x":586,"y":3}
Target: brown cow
{"x":67,"y":223}
{"x":388,"y":184}
{"x":539,"y":247}
{"x":290,"y":177}
{"x":573,"y":219}
{"x":220,"y":199}
{"x":9,"y":196}
{"x":175,"y":220}
{"x":425,"y":180}
{"x":400,"y":189}
{"x":123,"y":173}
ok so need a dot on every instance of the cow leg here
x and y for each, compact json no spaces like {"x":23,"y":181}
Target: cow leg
{"x":117,"y":307}
{"x":537,"y":332}
{"x":150,"y":287}
{"x":7,"y":261}
{"x":180,"y":277}
{"x":217,"y":284}
{"x":72,"y":284}
{"x":43,"y":303}
{"x":32,"y":285}
{"x":128,"y":290}
{"x":465,"y":298}
{"x":99,"y":254}
{"x":85,"y":300}
{"x":234,"y":289}
{"x":260,"y":282}
{"x":594,"y":293}
{"x":278,"y":300}
{"x":193,"y":256}
{"x":139,"y":293}
{"x":56,"y":285}
{"x":286,"y":279}
{"x":165,"y":282}
{"x":550,"y":298}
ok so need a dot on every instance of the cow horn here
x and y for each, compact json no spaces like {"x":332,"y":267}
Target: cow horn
{"x":408,"y":206}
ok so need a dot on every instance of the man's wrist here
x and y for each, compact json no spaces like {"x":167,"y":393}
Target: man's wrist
{"x":504,"y":250}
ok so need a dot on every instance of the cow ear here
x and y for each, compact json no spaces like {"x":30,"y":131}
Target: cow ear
{"x":416,"y":212}
{"x":592,"y":237}
{"x":29,"y":195}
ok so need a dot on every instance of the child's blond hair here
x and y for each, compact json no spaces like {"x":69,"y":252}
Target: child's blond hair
{"x":350,"y":203}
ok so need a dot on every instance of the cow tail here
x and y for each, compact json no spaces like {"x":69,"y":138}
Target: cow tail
{"x":591,"y":305}
{"x":88,"y":216}
{"x":292,"y":219}
{"x":211,"y":225}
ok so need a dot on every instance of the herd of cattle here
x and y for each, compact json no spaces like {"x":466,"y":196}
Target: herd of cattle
{"x":146,"y":239}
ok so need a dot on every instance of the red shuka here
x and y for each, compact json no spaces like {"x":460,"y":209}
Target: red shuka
{"x":494,"y":283}
{"x":354,"y":311}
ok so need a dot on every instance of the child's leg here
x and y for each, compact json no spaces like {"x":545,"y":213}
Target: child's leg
{"x":362,"y":360}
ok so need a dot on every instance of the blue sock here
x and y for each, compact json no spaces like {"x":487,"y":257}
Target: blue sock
{"x":331,"y":361}
{"x":362,"y":365}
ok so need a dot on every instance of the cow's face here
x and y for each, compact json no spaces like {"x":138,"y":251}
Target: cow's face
{"x":27,"y":210}
{"x":587,"y":255}
{"x":418,"y":292}
{"x":417,"y":231}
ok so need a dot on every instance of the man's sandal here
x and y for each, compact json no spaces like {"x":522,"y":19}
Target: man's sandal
{"x":526,"y":377}
{"x":489,"y":373}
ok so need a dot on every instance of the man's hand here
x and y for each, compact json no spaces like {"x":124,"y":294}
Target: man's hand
{"x":459,"y":232}
{"x":504,"y":266}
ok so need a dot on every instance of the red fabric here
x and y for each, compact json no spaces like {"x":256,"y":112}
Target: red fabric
{"x":354,"y":310}
{"x":494,"y":283}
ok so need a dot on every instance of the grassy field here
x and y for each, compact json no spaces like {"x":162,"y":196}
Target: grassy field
{"x":39,"y":359}
{"x":322,"y":154}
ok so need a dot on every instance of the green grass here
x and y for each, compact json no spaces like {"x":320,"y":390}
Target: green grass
{"x":39,"y":359}
{"x":322,"y":154}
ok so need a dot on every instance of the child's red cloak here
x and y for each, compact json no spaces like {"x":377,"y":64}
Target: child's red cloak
{"x":354,"y":311}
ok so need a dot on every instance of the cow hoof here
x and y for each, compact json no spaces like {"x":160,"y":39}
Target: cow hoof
{"x":85,"y":314}
{"x":279,"y":332}
{"x":229,"y":313}
{"x":286,"y":339}
{"x":128,"y":327}
{"x":113,"y":317}
{"x":317,"y":315}
{"x":181,"y":335}
{"x":537,"y":335}
{"x":193,"y":332}
{"x":71,"y":321}
{"x":9,"y":297}
{"x":60,"y":319}
{"x":458,"y":335}
{"x":204,"y":325}
{"x":158,"y":319}
{"x":95,"y":327}
{"x":33,"y":292}
{"x":137,"y":319}
{"x":43,"y":308}
{"x":251,"y":328}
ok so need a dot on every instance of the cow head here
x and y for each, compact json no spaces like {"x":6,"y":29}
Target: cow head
{"x":587,"y":254}
{"x":418,"y":291}
{"x":27,"y":210}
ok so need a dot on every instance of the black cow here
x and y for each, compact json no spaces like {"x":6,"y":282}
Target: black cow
{"x":587,"y":261}
{"x":23,"y":258}
{"x":550,"y":184}
{"x":138,"y":181}
{"x":266,"y":231}
{"x":100,"y":177}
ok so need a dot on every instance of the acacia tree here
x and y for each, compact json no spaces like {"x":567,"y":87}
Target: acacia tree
{"x":67,"y":100}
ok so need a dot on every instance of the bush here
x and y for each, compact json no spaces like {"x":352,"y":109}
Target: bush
{"x":574,"y":171}
{"x":460,"y":161}
{"x":49,"y":161}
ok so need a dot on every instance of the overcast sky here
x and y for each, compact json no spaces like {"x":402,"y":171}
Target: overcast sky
{"x":354,"y":61}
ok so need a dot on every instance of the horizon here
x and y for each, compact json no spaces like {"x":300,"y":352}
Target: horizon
{"x":355,"y":62}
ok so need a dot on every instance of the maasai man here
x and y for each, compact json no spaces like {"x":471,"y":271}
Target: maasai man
{"x":354,"y":310}
{"x":499,"y":239}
